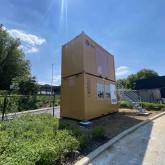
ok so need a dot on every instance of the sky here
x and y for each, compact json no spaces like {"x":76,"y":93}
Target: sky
{"x":132,"y":30}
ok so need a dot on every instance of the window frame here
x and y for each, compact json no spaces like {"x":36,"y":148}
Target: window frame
{"x":98,"y":85}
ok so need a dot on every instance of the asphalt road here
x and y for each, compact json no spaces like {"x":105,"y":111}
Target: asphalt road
{"x":144,"y":146}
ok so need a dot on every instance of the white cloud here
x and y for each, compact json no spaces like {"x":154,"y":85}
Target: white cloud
{"x":29,"y":42}
{"x":43,"y":82}
{"x":122,"y":70}
{"x":28,"y":49}
{"x":31,"y":50}
{"x":3,"y":28}
{"x":56,"y":81}
{"x":28,"y":38}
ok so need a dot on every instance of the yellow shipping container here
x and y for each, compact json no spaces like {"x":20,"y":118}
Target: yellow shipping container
{"x":86,"y":97}
{"x":82,"y":54}
{"x":88,"y":87}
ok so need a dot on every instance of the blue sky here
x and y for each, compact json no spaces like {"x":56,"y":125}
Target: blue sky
{"x":132,"y":30}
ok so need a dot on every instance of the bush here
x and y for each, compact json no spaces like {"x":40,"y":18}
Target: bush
{"x":34,"y":139}
{"x":76,"y":131}
{"x":152,"y":106}
{"x":98,"y":132}
{"x":16,"y":103}
{"x":145,"y":105}
{"x":124,"y":104}
{"x":3,"y":92}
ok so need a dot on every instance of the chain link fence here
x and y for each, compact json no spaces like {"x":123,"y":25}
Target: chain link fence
{"x":15,"y":104}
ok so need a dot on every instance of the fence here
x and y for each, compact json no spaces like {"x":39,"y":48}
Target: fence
{"x":18,"y":103}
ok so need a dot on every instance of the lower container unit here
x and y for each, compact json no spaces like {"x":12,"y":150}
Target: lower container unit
{"x":85,"y":97}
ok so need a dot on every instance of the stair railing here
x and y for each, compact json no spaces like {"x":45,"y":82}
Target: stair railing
{"x":132,"y":94}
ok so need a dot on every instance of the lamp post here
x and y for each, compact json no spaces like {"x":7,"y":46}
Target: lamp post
{"x":52,"y":81}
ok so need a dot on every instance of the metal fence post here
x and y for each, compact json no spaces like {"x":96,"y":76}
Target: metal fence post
{"x":54,"y":98}
{"x":4,"y":107}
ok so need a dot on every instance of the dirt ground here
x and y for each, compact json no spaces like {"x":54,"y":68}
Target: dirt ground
{"x":117,"y":122}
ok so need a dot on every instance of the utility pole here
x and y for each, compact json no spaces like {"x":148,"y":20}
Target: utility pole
{"x":52,"y":81}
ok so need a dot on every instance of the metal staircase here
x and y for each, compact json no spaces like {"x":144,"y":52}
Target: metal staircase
{"x":132,"y":97}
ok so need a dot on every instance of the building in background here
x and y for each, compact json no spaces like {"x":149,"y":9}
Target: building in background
{"x":88,"y":88}
{"x":151,"y":89}
{"x":46,"y":89}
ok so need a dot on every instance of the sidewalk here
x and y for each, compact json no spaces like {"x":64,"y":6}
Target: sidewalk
{"x":145,"y":145}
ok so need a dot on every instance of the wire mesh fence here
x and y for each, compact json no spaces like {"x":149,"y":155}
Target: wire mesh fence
{"x":14,"y":104}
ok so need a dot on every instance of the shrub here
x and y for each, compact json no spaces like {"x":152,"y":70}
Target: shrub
{"x":34,"y":139}
{"x":98,"y":132}
{"x":152,"y":106}
{"x":124,"y":104}
{"x":59,"y":102}
{"x":3,"y":92}
{"x":76,"y":131}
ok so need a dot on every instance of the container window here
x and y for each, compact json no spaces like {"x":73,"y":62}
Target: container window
{"x":100,"y":91}
{"x":107,"y":91}
{"x":113,"y":94}
{"x":102,"y":62}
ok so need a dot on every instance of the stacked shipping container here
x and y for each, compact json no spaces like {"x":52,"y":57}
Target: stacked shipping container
{"x":88,"y":80}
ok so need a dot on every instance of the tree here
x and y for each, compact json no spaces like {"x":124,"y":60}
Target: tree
{"x":26,"y":86}
{"x":122,"y":82}
{"x":130,"y":81}
{"x":12,"y":60}
{"x":146,"y":73}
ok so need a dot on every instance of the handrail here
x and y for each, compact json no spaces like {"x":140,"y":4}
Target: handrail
{"x":128,"y":92}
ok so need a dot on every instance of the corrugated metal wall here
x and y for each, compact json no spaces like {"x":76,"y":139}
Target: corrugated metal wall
{"x":80,"y":97}
{"x":150,"y":95}
{"x":82,"y":54}
{"x":72,"y":57}
{"x":84,"y":94}
{"x":72,"y":97}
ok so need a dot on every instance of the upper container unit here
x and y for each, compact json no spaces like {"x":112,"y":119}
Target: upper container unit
{"x":83,"y":55}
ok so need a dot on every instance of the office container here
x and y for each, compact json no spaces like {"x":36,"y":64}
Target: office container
{"x":82,"y":54}
{"x":88,"y":87}
{"x":85,"y":97}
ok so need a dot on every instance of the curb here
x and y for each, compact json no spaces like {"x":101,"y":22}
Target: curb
{"x":87,"y":159}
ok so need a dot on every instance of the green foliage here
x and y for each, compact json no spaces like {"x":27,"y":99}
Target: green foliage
{"x":129,"y":82}
{"x":12,"y":104}
{"x":26,"y":85}
{"x":12,"y":60}
{"x":145,"y":105}
{"x":34,"y":139}
{"x":152,"y":106}
{"x":3,"y":92}
{"x":76,"y":131}
{"x":146,"y":73}
{"x":98,"y":132}
{"x":1,"y":104}
{"x":16,"y":103}
{"x":124,"y":104}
